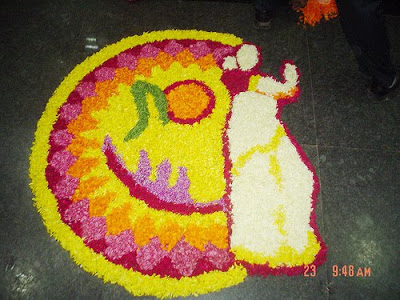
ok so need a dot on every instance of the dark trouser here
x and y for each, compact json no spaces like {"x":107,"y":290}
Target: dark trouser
{"x":262,"y":5}
{"x":363,"y":24}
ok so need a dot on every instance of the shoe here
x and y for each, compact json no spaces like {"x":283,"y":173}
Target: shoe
{"x":381,"y":92}
{"x":263,"y":20}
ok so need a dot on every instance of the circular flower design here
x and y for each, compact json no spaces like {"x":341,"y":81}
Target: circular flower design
{"x":142,"y":163}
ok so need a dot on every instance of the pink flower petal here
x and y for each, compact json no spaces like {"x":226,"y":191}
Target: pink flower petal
{"x":126,"y":60}
{"x":70,"y":111}
{"x":119,"y":245}
{"x":150,"y":255}
{"x":94,"y":228}
{"x":86,"y":89}
{"x":78,"y":211}
{"x":62,"y":160}
{"x":149,"y":51}
{"x":220,"y":53}
{"x":199,"y":49}
{"x":173,"y":48}
{"x":218,"y":257}
{"x":66,"y":187}
{"x":61,"y":138}
{"x":104,"y":74}
{"x":184,"y":258}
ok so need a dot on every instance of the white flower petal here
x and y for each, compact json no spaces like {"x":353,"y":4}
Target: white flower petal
{"x":247,"y":57}
{"x":230,"y":63}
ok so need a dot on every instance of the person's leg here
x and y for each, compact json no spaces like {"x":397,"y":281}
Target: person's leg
{"x":263,"y":14}
{"x":262,"y":5}
{"x":363,"y":24}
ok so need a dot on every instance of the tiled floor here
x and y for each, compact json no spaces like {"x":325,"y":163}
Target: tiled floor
{"x":352,"y":141}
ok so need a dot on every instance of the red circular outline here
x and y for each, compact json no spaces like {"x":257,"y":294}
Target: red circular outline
{"x":206,"y":112}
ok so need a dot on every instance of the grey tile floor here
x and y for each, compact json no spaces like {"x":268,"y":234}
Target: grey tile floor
{"x":352,"y":141}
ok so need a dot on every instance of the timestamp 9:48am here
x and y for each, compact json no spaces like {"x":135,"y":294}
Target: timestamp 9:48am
{"x":350,"y":271}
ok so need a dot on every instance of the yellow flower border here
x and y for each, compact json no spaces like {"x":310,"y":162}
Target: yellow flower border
{"x":45,"y":202}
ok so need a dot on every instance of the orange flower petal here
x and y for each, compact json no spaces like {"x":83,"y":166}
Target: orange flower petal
{"x":93,"y":104}
{"x":207,"y":62}
{"x":185,"y":58}
{"x":196,"y":236}
{"x":118,"y":220}
{"x":80,"y":144}
{"x":82,"y":166}
{"x":144,"y":66}
{"x":124,"y":75}
{"x":105,"y":89}
{"x":164,"y":60}
{"x":144,"y":230}
{"x":87,"y":187}
{"x":82,"y":123}
{"x":98,"y":205}
{"x":170,"y":234}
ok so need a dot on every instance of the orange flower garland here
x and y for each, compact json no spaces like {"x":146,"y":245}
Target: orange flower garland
{"x":316,"y":10}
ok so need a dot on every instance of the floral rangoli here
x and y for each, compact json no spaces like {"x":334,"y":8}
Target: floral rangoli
{"x":161,"y":164}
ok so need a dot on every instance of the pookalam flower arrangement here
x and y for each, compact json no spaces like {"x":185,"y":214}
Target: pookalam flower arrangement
{"x":161,"y":164}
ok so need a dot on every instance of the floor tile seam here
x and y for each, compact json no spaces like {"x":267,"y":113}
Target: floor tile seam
{"x":318,"y":171}
{"x":321,"y":146}
{"x":80,"y":34}
{"x":312,"y":89}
